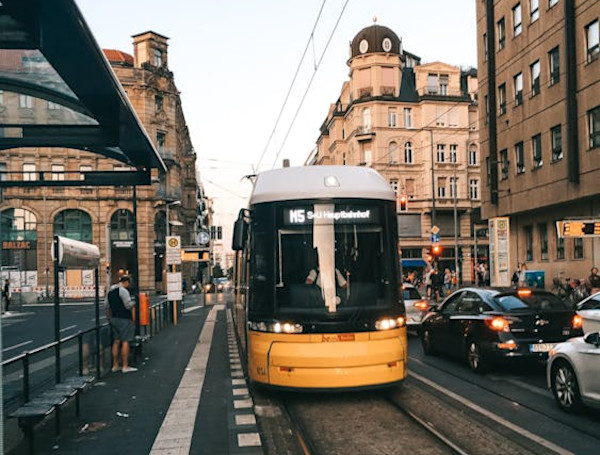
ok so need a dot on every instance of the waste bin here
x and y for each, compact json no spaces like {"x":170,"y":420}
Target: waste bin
{"x":535,"y":278}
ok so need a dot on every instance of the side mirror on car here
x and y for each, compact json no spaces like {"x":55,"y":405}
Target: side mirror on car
{"x":592,"y":338}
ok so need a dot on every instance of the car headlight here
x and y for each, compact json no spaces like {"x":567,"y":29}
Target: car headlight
{"x":275,"y":327}
{"x":390,"y":323}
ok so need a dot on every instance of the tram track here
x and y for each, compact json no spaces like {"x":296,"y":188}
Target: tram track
{"x":305,"y":443}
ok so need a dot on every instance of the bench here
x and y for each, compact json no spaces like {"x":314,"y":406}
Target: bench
{"x":48,"y":402}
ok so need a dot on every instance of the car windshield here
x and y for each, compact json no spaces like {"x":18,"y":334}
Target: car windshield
{"x":411,"y":294}
{"x":591,"y":304}
{"x":534,"y":301}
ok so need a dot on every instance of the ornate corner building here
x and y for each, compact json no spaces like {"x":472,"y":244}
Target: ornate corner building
{"x":103,"y":215}
{"x":417,"y":125}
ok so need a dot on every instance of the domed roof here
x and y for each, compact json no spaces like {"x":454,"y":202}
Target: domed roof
{"x":118,"y":57}
{"x":377,"y":38}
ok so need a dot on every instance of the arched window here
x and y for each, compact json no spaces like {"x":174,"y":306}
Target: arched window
{"x":473,"y":155}
{"x":121,"y":225}
{"x":393,"y":153}
{"x":160,"y":228}
{"x":73,"y":224}
{"x":19,"y":239}
{"x":366,"y":118}
{"x":408,"y":153}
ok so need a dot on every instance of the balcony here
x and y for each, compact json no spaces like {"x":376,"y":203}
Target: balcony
{"x":167,"y":154}
{"x":364,"y":133}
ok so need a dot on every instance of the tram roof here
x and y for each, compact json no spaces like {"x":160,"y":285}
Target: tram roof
{"x":309,"y":182}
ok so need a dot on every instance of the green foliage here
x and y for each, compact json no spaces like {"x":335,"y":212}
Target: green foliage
{"x":218,"y":271}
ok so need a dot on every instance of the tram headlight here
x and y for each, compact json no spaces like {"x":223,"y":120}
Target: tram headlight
{"x":390,"y":323}
{"x":275,"y":327}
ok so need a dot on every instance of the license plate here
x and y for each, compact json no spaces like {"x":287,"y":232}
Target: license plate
{"x":541,"y":347}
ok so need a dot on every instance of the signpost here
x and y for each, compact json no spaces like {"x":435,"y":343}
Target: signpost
{"x":173,"y":257}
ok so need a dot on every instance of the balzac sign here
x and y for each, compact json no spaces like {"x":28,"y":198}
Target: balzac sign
{"x":19,"y":245}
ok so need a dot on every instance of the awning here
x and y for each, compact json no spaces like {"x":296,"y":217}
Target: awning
{"x":413,"y":263}
{"x":62,"y":90}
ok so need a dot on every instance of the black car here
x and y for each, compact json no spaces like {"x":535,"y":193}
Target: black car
{"x":486,"y":324}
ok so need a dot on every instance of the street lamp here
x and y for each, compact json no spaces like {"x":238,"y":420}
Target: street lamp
{"x":167,"y":205}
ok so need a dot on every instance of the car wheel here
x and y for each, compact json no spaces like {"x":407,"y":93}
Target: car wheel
{"x":426,"y":343}
{"x":565,"y":387}
{"x":475,"y":357}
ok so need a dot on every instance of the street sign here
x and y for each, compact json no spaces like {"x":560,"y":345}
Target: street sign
{"x":173,"y":250}
{"x":174,"y":286}
{"x":435,"y":238}
{"x":435,"y":230}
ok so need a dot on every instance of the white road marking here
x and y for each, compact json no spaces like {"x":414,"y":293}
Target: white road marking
{"x":248,"y":439}
{"x":238,"y":392}
{"x":68,"y":328}
{"x":176,"y":431}
{"x":242,"y":404}
{"x":538,"y":439}
{"x":16,"y":346}
{"x":245,"y":419}
{"x":193,"y":308}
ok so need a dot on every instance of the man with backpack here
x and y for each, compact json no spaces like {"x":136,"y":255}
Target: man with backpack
{"x":118,"y":312}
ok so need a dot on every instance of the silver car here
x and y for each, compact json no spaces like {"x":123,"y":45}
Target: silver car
{"x":589,"y":310}
{"x":416,"y":306}
{"x":573,"y":372}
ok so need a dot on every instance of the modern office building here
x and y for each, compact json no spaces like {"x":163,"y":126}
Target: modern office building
{"x":417,"y":125}
{"x":539,"y":88}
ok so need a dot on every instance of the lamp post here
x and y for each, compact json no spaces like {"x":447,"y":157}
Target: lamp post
{"x":167,"y":205}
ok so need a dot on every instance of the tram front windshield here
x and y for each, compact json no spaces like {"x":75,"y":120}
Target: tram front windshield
{"x":332,"y":259}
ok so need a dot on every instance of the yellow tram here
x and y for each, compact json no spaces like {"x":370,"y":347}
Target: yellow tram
{"x":318,"y":302}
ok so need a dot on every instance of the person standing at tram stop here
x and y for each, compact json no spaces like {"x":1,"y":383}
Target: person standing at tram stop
{"x":118,"y":312}
{"x":6,"y":295}
{"x":593,"y":281}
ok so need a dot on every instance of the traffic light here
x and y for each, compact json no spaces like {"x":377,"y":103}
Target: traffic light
{"x":436,"y":250}
{"x":403,"y":203}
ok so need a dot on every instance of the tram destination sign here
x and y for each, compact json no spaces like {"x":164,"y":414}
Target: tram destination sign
{"x":578,"y":228}
{"x":339,"y":215}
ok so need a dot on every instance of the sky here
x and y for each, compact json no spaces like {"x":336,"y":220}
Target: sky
{"x":234,"y":61}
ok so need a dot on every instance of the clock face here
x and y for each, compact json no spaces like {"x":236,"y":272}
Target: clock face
{"x":363,"y":46}
{"x":387,"y":44}
{"x":203,"y":237}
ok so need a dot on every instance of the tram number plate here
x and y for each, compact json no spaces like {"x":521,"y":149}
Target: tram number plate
{"x":541,"y":347}
{"x":338,"y":337}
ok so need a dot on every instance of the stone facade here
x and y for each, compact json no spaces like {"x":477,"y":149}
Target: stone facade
{"x":103,"y":215}
{"x":539,"y":74}
{"x":417,"y":125}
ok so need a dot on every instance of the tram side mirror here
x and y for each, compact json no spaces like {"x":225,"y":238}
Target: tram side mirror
{"x":240,"y":234}
{"x":593,"y":338}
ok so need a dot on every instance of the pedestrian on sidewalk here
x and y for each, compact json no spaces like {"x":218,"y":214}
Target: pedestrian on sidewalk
{"x":6,"y":295}
{"x":118,"y":312}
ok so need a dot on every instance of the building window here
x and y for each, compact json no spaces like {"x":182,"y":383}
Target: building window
{"x":367,"y":157}
{"x":501,"y":34}
{"x":73,"y":224}
{"x":560,"y":247}
{"x":25,"y":102}
{"x":536,"y":149}
{"x":454,"y":187}
{"x":158,"y":103}
{"x":161,"y":139}
{"x":488,"y":171}
{"x":344,"y":159}
{"x":58,"y":172}
{"x":407,"y":117}
{"x":578,"y":248}
{"x":520,"y":158}
{"x":502,"y":98}
{"x":472,"y":156}
{"x":410,"y":187}
{"x":592,"y":33}
{"x":485,"y":47}
{"x":19,"y":224}
{"x":535,"y":78}
{"x":556,"y":137}
{"x":53,"y":106}
{"x":394,"y":185}
{"x":122,"y":226}
{"x":487,"y":109}
{"x":393,"y":153}
{"x":3,"y":175}
{"x":437,"y":84}
{"x":504,"y":164}
{"x":517,"y":20}
{"x":1,"y":97}
{"x":534,"y":10}
{"x":529,"y":243}
{"x":594,"y":125}
{"x":551,"y":3}
{"x":443,"y":84}
{"x":408,"y":153}
{"x":518,"y":86}
{"x":441,"y":153}
{"x":474,"y":189}
{"x":554,"y":62}
{"x":453,"y":149}
{"x":29,"y":172}
{"x":392,"y":115}
{"x":543,"y":232}
{"x":441,"y":187}
{"x":158,"y":58}
{"x":366,"y":118}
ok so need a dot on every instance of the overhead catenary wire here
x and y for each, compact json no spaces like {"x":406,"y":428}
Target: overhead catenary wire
{"x":287,"y":96}
{"x":225,"y":189}
{"x":310,"y":83}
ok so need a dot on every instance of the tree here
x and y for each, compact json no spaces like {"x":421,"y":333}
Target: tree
{"x":218,"y":271}
{"x":230,"y":273}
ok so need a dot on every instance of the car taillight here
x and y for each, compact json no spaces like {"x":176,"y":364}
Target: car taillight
{"x":421,"y":305}
{"x":497,"y":324}
{"x":577,"y":322}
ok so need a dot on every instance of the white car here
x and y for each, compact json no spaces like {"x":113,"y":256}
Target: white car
{"x":589,"y":310}
{"x":416,"y":306}
{"x":573,"y":372}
